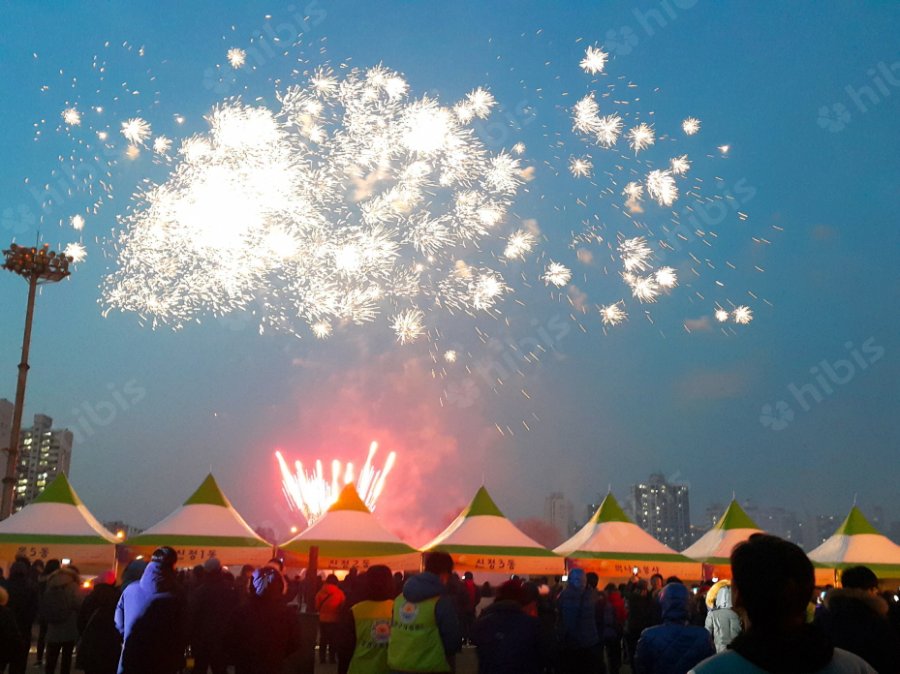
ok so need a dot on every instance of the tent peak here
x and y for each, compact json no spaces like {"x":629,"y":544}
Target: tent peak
{"x":349,"y":499}
{"x":610,"y":511}
{"x":482,"y":504}
{"x":856,"y":523}
{"x":59,"y":491}
{"x":735,"y":517}
{"x":208,"y":493}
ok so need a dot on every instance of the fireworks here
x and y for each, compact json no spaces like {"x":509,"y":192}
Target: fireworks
{"x":641,"y":137}
{"x":690,"y":126}
{"x":635,"y":254}
{"x":71,"y":117}
{"x":348,"y":202}
{"x":312,"y":494}
{"x":450,"y":356}
{"x":608,"y":129}
{"x":742,"y":315}
{"x":136,"y":130}
{"x":666,"y":277}
{"x":680,"y":165}
{"x":77,"y":222}
{"x":519,"y":244}
{"x":236,"y":57}
{"x":613,"y":314}
{"x":661,"y":186}
{"x":76,"y":251}
{"x":594,"y":60}
{"x":580,"y":167}
{"x":557,"y":275}
{"x":722,"y":315}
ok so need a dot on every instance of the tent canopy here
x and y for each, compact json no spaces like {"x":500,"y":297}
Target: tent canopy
{"x":612,"y":545}
{"x":482,"y":539}
{"x":856,"y":542}
{"x":715,"y":546}
{"x":348,"y":535}
{"x":57,"y":525}
{"x":205,"y":526}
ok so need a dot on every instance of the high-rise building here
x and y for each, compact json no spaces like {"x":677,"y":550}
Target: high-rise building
{"x":44,"y":452}
{"x":825,"y":526}
{"x":663,"y":511}
{"x":779,"y":522}
{"x":6,"y":415}
{"x":558,"y":512}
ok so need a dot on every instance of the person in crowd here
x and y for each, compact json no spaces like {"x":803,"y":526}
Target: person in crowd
{"x":656,"y":586}
{"x":399,"y":580}
{"x":150,"y":616}
{"x":469,"y":595}
{"x":506,"y":637}
{"x":674,"y":646}
{"x":329,"y":600}
{"x":264,"y":632}
{"x":23,"y":602}
{"x":640,"y":613}
{"x":772,"y":584}
{"x":855,"y":618}
{"x":540,"y":605}
{"x":486,"y":589}
{"x":425,"y":634}
{"x":99,"y":643}
{"x":243,"y":583}
{"x":59,"y":609}
{"x":12,"y":641}
{"x":209,"y":611}
{"x":578,"y":644}
{"x":722,"y":621}
{"x":610,"y":616}
{"x":133,"y":573}
{"x":367,"y":622}
{"x":51,"y":567}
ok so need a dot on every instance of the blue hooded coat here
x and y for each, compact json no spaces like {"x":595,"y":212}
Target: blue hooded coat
{"x":150,"y":617}
{"x":577,"y":628}
{"x":675,"y":646}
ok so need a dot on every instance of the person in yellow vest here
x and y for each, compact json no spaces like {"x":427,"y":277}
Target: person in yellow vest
{"x":371,"y":617}
{"x":425,"y":633}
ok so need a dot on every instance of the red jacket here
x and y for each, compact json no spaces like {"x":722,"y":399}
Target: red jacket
{"x":328,"y":603}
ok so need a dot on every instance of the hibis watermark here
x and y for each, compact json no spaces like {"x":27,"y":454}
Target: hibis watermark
{"x":826,"y":376}
{"x":90,"y":416}
{"x":883,"y":78}
{"x":622,"y":41}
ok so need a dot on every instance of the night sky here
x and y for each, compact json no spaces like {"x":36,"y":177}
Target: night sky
{"x":807,"y":96}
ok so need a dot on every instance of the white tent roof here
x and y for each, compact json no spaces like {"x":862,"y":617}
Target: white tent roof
{"x":715,"y":546}
{"x":857,"y":542}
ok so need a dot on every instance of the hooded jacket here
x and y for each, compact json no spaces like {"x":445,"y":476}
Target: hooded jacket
{"x":507,"y":639}
{"x":328,"y":603}
{"x":427,"y":585}
{"x":675,"y":646}
{"x":722,"y":622}
{"x":150,"y":617}
{"x":65,"y":581}
{"x":856,"y":620}
{"x":577,"y":627}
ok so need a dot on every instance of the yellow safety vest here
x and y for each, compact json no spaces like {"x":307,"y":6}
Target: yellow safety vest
{"x":416,"y":644}
{"x":373,"y":632}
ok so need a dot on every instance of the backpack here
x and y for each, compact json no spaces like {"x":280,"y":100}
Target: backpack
{"x":55,"y":607}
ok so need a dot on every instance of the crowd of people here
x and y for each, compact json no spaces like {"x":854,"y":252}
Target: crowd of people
{"x":156,"y":620}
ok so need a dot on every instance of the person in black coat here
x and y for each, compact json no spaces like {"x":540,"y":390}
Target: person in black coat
{"x":150,"y":616}
{"x":265,"y":631}
{"x":508,"y":640}
{"x":23,"y":602}
{"x":11,"y":639}
{"x":855,"y":618}
{"x":210,"y":609}
{"x":100,"y":643}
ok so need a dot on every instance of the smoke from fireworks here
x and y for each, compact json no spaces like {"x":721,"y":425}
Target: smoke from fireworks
{"x":312,"y":493}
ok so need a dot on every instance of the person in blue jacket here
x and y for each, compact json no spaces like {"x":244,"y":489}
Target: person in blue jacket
{"x":675,"y":646}
{"x":150,"y":616}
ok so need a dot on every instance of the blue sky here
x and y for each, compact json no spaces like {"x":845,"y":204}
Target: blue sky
{"x":612,"y":407}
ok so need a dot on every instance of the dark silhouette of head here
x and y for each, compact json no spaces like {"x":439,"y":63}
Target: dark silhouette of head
{"x":859,"y":578}
{"x":439,"y":563}
{"x":165,"y":556}
{"x":593,"y":580}
{"x":378,"y":583}
{"x":772,"y":581}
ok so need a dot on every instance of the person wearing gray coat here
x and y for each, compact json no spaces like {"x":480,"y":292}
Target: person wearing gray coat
{"x":59,"y":607}
{"x":722,"y":621}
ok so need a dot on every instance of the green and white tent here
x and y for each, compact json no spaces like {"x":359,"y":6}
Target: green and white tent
{"x":56,"y":525}
{"x":612,"y":546}
{"x":207,"y":525}
{"x":857,"y":542}
{"x":715,"y":546}
{"x":347,"y":536}
{"x":482,"y":539}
